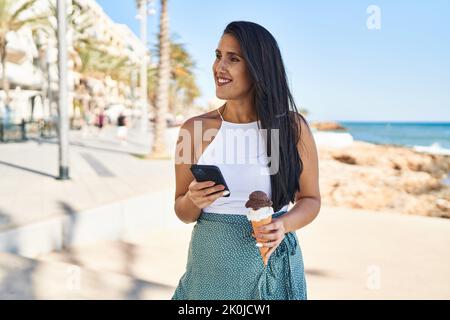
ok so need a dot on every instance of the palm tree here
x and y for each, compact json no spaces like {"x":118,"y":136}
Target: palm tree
{"x":183,"y":84}
{"x":162,"y":93}
{"x":12,"y":18}
{"x":97,"y":63}
{"x":183,"y":87}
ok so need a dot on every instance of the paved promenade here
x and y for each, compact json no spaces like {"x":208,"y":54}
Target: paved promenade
{"x":110,"y":232}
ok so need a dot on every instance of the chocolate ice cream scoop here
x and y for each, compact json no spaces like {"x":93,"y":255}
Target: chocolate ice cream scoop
{"x":258,"y":200}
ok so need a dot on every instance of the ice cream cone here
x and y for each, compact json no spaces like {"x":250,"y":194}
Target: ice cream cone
{"x":260,"y":214}
{"x":256,"y":224}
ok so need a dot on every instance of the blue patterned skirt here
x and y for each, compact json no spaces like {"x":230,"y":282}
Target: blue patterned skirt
{"x":225,"y":264}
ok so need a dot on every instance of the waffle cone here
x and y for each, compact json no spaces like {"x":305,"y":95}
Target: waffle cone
{"x":257,"y":224}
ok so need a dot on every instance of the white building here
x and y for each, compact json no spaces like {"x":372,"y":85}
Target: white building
{"x":28,"y":67}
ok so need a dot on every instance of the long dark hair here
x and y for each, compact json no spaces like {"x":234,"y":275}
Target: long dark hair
{"x":275,"y":106}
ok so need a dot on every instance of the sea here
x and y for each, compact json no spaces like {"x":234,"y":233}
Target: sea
{"x":434,"y":136}
{"x":431,"y":137}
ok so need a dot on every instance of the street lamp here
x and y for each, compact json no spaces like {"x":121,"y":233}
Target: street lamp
{"x":63,"y":96}
{"x":142,"y":17}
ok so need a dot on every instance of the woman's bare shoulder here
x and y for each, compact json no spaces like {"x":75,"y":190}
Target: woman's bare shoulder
{"x":206,"y":120}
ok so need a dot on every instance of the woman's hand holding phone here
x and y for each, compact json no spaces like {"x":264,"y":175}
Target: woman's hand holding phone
{"x":202,"y":194}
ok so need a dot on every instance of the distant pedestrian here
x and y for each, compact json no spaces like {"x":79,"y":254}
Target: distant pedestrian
{"x":100,"y":122}
{"x":122,"y":129}
{"x":86,"y":123}
{"x":7,"y":114}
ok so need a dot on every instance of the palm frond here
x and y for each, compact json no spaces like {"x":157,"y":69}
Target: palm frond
{"x":34,"y":22}
{"x":25,"y":6}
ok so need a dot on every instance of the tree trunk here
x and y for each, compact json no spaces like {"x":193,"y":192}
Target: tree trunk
{"x":162,"y":100}
{"x":5,"y":83}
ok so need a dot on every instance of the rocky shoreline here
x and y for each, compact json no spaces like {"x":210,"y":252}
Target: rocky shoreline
{"x":385,"y":178}
{"x":327,"y":126}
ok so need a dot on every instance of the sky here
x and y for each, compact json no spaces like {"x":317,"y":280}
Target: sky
{"x":344,"y":62}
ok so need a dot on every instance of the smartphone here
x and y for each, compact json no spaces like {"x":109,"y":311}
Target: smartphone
{"x":203,"y":172}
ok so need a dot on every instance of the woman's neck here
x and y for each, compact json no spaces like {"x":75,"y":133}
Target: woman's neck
{"x":239,"y":111}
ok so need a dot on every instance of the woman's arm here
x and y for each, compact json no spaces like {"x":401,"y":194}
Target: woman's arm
{"x":185,"y":209}
{"x":190,"y":196}
{"x":307,"y":201}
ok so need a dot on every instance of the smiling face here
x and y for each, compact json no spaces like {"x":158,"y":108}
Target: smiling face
{"x":233,"y":81}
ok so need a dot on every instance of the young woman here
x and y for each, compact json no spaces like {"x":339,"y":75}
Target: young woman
{"x":224,"y":260}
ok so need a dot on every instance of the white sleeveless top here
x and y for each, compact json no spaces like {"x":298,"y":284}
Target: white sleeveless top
{"x":239,"y":150}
